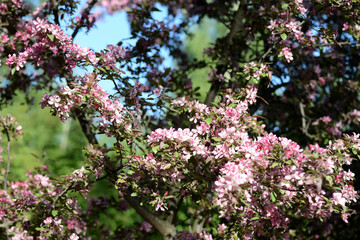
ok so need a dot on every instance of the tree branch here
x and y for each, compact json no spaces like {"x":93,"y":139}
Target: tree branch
{"x":55,"y":11}
{"x":59,"y":196}
{"x":5,"y":225}
{"x":340,"y":44}
{"x":198,"y":224}
{"x":7,"y":151}
{"x":84,"y":14}
{"x":268,"y":51}
{"x":166,"y":229}
{"x":85,"y":126}
{"x":304,"y":125}
{"x":235,"y":26}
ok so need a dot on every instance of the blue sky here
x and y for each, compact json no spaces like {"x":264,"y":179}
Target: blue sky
{"x":109,"y":30}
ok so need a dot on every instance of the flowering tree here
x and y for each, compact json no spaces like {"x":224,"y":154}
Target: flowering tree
{"x":190,"y":170}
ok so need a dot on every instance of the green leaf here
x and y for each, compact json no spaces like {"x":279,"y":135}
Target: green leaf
{"x":284,"y":5}
{"x":329,"y":179}
{"x":155,"y":149}
{"x":51,"y":37}
{"x":134,"y":194}
{"x":283,"y":36}
{"x":273,"y":196}
{"x":275,"y":164}
{"x":289,"y":162}
{"x":54,"y":213}
{"x":255,"y":218}
{"x":167,"y":166}
{"x":244,"y":202}
{"x":102,"y":69}
{"x":216,"y":139}
{"x":13,"y":71}
{"x":215,"y":104}
{"x":208,"y":121}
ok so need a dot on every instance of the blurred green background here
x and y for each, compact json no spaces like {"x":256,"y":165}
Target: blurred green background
{"x":45,"y":141}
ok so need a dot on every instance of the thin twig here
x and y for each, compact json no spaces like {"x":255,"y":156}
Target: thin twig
{"x":340,"y":44}
{"x":60,"y":195}
{"x":268,"y":52}
{"x":304,"y":125}
{"x":7,"y":151}
{"x":85,"y":13}
{"x":8,"y":164}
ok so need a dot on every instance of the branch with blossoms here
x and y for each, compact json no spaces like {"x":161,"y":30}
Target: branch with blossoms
{"x":114,"y":121}
{"x":11,"y":128}
{"x":84,"y":15}
{"x":267,"y":179}
{"x":209,"y":169}
{"x":219,"y":154}
{"x":27,"y":210}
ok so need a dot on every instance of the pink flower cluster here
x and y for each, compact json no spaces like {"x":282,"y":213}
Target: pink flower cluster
{"x":113,"y":6}
{"x":110,"y":55}
{"x":256,"y":70}
{"x":300,"y":6}
{"x":325,"y":119}
{"x":33,"y":197}
{"x":89,"y":96}
{"x":6,"y":5}
{"x":290,"y":26}
{"x":286,"y":52}
{"x":9,"y":125}
{"x":49,"y":37}
{"x":263,"y":179}
{"x":336,"y":128}
{"x":174,"y":150}
{"x":242,"y":180}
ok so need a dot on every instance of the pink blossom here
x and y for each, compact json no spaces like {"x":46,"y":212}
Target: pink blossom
{"x":221,"y":227}
{"x":321,"y":80}
{"x":74,"y":237}
{"x":345,"y":216}
{"x":300,"y":6}
{"x":206,"y":236}
{"x":338,"y":199}
{"x":48,"y":220}
{"x":286,"y":52}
